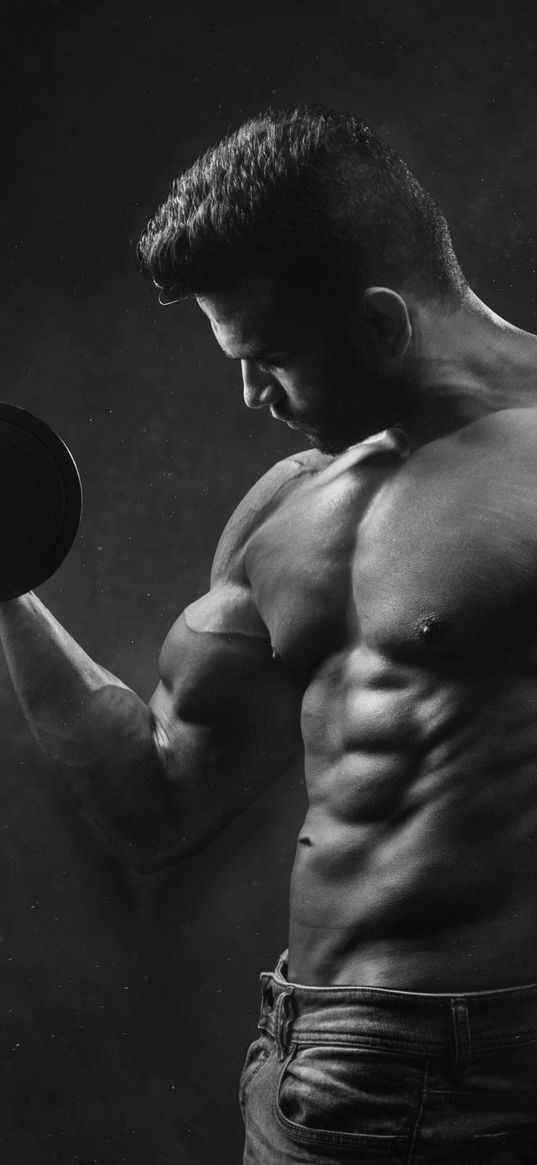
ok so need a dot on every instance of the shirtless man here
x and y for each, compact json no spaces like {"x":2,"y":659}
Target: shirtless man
{"x":372,"y":603}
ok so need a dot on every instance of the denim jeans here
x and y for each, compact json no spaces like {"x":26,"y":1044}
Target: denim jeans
{"x":365,"y":1075}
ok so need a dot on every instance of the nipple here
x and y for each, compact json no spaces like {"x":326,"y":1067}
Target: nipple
{"x":430,"y":628}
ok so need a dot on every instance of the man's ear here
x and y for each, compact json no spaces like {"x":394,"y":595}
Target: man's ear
{"x":387,"y":322}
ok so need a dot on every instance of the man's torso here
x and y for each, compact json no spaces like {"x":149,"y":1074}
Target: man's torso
{"x":402,"y":591}
{"x":407,"y":587}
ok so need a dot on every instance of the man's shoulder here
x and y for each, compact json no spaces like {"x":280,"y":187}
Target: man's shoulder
{"x":514,"y":426}
{"x":310,"y":476}
{"x":270,"y":489}
{"x":285,"y":475}
{"x":288,"y":475}
{"x":497,"y":437}
{"x":266,"y":494}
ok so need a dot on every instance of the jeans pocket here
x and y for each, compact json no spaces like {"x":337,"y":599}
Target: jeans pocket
{"x":347,"y":1097}
{"x":255,"y":1058}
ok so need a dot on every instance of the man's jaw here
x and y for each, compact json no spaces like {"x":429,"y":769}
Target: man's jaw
{"x":313,"y":436}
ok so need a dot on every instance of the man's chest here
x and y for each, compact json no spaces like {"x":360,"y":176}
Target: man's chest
{"x":439,"y":557}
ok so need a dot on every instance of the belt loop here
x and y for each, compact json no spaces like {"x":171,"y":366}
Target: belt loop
{"x":281,"y":967}
{"x":265,"y":983}
{"x":461,"y":1037}
{"x":283,"y":1018}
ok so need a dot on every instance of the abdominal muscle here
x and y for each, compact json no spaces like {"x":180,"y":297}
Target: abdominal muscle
{"x":416,"y":867}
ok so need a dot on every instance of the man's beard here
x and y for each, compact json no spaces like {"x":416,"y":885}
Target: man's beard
{"x":346,"y":419}
{"x":332,"y":445}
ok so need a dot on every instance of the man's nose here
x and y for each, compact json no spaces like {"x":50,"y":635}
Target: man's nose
{"x":259,"y":387}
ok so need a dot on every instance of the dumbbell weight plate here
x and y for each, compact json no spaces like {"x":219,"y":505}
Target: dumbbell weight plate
{"x":40,"y":501}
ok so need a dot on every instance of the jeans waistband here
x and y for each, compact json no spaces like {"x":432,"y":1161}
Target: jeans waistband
{"x":409,"y":1021}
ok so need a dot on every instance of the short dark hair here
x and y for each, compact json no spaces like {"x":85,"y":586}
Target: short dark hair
{"x":311,"y":197}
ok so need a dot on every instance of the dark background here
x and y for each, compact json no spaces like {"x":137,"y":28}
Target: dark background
{"x":127,"y":1002}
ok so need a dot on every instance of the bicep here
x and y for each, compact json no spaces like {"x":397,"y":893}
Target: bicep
{"x":227,"y":722}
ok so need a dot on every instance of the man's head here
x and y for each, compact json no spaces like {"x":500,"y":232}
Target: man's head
{"x":311,"y":211}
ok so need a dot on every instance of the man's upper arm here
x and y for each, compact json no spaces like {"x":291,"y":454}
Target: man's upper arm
{"x":226,"y":711}
{"x":227,"y":722}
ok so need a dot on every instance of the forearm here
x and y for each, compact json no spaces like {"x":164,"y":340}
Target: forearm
{"x":53,"y":676}
{"x":90,"y":724}
{"x":159,"y":780}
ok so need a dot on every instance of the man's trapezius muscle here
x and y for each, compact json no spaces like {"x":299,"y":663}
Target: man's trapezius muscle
{"x":400,"y":589}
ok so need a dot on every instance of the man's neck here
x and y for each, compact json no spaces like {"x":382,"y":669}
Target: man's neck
{"x":462,"y":365}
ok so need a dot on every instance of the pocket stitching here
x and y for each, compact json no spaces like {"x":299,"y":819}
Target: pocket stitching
{"x":247,"y":1077}
{"x":326,"y":1136}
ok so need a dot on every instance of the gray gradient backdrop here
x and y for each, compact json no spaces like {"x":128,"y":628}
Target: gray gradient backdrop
{"x":127,"y":1002}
